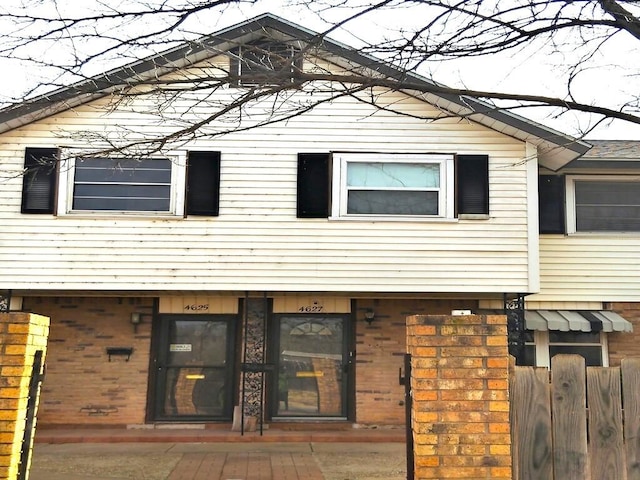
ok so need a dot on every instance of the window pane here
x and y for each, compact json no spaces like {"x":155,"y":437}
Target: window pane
{"x":393,"y":175}
{"x":206,"y":341}
{"x":98,"y":190}
{"x":112,"y":184}
{"x":529,"y":336}
{"x":123,"y":170}
{"x":392,"y":202}
{"x":195,"y":391}
{"x":122,"y":204}
{"x":310,"y":373}
{"x":574,"y":337}
{"x":529,"y":356}
{"x":592,"y":355}
{"x":607,"y":206}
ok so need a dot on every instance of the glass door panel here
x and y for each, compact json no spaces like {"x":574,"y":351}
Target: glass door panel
{"x":311,"y":367}
{"x":195,"y":368}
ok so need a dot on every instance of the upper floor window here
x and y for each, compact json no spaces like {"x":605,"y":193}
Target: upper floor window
{"x":145,"y":186}
{"x":393,"y":185}
{"x":381,"y":185}
{"x":603,"y":204}
{"x":265,"y":63}
{"x":122,"y":185}
{"x":589,"y":203}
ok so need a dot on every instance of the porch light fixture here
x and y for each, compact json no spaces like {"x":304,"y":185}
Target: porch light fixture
{"x":136,"y":319}
{"x":369,"y":316}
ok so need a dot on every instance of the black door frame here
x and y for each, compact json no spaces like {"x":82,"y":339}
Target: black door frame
{"x":160,"y":351}
{"x":348,"y":363}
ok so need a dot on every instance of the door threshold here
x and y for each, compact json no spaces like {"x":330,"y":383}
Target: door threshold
{"x":310,"y":424}
{"x":179,"y":426}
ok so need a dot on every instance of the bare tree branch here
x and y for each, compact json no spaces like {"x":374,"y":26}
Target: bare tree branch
{"x":624,"y":18}
{"x":66,"y":43}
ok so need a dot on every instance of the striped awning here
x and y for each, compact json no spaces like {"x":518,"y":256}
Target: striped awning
{"x":576,"y":320}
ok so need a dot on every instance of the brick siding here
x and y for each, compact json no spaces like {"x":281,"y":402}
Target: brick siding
{"x":380,"y":353}
{"x":624,"y":344}
{"x":82,"y":386}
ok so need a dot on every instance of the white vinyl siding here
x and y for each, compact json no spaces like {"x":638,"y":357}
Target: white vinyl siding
{"x":589,"y":267}
{"x":257,"y":243}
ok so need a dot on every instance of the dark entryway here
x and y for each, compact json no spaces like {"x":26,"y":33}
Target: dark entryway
{"x":312,"y":366}
{"x":194,"y":367}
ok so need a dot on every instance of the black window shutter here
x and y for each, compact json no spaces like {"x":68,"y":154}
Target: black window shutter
{"x":313,"y":185}
{"x":551,"y":192}
{"x":203,"y":183}
{"x":473,"y":184}
{"x":40,"y":180}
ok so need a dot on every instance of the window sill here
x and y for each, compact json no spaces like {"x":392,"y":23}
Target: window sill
{"x":121,"y":215}
{"x":394,"y":219}
{"x":473,"y":216}
{"x":604,"y":234}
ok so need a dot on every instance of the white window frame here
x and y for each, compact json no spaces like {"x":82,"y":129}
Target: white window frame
{"x":176,"y":192}
{"x":571,"y":201}
{"x":446,"y":198}
{"x":543,"y":359}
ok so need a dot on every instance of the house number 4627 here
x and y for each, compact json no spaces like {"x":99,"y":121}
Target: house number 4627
{"x":311,"y":309}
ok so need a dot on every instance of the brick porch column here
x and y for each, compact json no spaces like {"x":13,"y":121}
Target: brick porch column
{"x":21,"y":334}
{"x":460,"y":371}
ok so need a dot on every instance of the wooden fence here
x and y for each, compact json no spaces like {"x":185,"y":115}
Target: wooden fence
{"x":575,"y":426}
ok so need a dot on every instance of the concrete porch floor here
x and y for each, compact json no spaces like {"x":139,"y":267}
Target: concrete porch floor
{"x":198,"y":452}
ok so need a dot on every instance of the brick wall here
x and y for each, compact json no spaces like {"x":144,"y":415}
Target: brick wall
{"x":461,"y":401}
{"x":380,"y":351}
{"x":83,"y":388}
{"x":624,"y":344}
{"x":81,"y":385}
{"x":21,"y":334}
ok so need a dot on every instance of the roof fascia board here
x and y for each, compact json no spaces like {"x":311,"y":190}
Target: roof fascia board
{"x":604,"y":164}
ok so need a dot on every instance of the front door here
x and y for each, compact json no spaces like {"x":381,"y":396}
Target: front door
{"x":311,"y":366}
{"x":194,"y":378}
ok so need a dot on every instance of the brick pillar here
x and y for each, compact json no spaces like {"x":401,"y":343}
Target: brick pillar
{"x":21,"y":334}
{"x":460,"y":415}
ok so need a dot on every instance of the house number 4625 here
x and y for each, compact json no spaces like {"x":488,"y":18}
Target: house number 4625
{"x":197,"y":307}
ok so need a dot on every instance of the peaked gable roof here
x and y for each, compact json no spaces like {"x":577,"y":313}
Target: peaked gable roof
{"x":555,"y":149}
